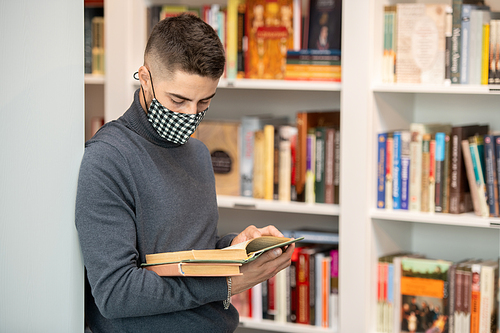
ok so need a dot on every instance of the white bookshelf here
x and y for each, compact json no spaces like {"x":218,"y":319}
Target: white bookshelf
{"x":273,"y":326}
{"x":396,"y":106}
{"x":94,"y":79}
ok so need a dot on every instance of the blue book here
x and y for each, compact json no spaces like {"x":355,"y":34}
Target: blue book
{"x":405,"y":169}
{"x":396,"y":172}
{"x":440,"y":172}
{"x":381,"y":167}
{"x":491,"y":176}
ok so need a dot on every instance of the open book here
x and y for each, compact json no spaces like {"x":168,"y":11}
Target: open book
{"x":240,"y":253}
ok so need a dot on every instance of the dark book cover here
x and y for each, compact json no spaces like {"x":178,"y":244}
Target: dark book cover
{"x":491,"y":175}
{"x":324,"y":24}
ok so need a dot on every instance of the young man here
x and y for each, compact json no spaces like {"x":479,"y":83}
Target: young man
{"x":145,"y":187}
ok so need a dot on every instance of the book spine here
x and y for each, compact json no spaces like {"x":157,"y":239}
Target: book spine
{"x":415,"y":169}
{"x":303,"y":288}
{"x":318,"y":293}
{"x":475,"y":300}
{"x":310,"y":168}
{"x":465,"y":41}
{"x":485,"y":53}
{"x":471,"y":178}
{"x":396,"y":171}
{"x":285,"y":163}
{"x":432,"y":175}
{"x":459,"y":309}
{"x":336,"y":168}
{"x":497,"y":163}
{"x":248,"y":127}
{"x":456,"y":41}
{"x":390,"y":298}
{"x":271,"y":298}
{"x":258,"y":179}
{"x":388,"y":172}
{"x":320,"y":165}
{"x":269,"y":162}
{"x":312,"y":289}
{"x":456,"y":172}
{"x":475,"y":150}
{"x":439,"y":155}
{"x":448,"y":49}
{"x":497,"y":52}
{"x":276,"y":163}
{"x":446,"y":175}
{"x":491,"y":176}
{"x":232,"y":39}
{"x":241,"y":37}
{"x":492,"y":53}
{"x":293,"y":167}
{"x":426,"y":163}
{"x":467,"y":299}
{"x":486,"y":299}
{"x":381,"y":167}
{"x":405,"y":169}
{"x":329,"y":165}
{"x":451,"y":298}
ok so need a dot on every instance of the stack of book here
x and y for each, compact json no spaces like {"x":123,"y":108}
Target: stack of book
{"x":257,"y":35}
{"x":315,"y":65}
{"x":439,"y":168}
{"x":437,"y":43}
{"x":416,"y":294}
{"x":304,"y":293}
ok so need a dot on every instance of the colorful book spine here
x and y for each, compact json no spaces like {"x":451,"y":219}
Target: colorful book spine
{"x":405,"y":169}
{"x":310,"y":167}
{"x":336,"y":168}
{"x":446,"y":175}
{"x":426,"y":165}
{"x":477,"y":151}
{"x":497,"y":162}
{"x":491,"y":175}
{"x":388,"y":172}
{"x":381,"y":169}
{"x":396,"y":171}
{"x":455,"y":61}
{"x":432,"y":175}
{"x":440,"y":171}
{"x":319,"y":179}
{"x":232,"y":39}
{"x":248,"y":127}
{"x":475,"y":300}
{"x":269,"y":162}
{"x":330,"y":166}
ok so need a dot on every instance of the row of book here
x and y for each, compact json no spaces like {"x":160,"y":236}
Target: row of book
{"x":438,"y":43}
{"x":417,"y":294}
{"x":94,"y":36}
{"x":305,"y":293}
{"x":439,"y":168}
{"x":259,"y":34}
{"x":271,"y":158}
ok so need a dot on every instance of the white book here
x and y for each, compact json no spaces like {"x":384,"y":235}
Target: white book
{"x":280,"y":297}
{"x":257,"y":302}
{"x":487,"y":296}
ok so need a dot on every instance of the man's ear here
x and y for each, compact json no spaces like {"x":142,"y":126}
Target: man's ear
{"x":144,"y":78}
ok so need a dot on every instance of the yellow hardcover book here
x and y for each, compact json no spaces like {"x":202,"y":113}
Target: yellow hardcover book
{"x":232,"y":38}
{"x":239,"y":253}
{"x":269,"y":28}
{"x":98,"y":45}
{"x":269,"y":162}
{"x":258,"y":185}
{"x":485,"y":54}
{"x":313,"y":68}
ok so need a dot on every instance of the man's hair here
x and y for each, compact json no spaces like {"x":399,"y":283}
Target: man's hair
{"x":188,"y":44}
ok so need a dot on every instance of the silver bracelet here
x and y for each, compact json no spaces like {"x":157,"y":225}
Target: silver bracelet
{"x":227,"y":301}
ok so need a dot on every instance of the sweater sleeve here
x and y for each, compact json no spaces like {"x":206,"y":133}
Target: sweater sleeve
{"x":105,"y":222}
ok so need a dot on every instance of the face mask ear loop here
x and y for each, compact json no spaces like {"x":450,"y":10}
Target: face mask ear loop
{"x":152,"y":87}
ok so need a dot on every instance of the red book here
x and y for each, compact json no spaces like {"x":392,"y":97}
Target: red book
{"x":303,"y":288}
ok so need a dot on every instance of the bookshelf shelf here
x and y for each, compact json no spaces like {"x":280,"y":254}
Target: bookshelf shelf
{"x":94,"y":79}
{"x":280,"y":85}
{"x":225,"y":201}
{"x":270,"y":325}
{"x":255,"y":84}
{"x":437,"y":89}
{"x":464,"y":220}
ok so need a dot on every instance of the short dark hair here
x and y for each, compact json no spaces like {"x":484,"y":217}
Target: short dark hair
{"x":188,"y":44}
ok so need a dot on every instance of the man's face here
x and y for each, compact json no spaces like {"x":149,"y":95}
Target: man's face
{"x":182,"y":92}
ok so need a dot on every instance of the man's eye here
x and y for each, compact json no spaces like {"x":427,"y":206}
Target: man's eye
{"x":177,"y":102}
{"x":204,"y":102}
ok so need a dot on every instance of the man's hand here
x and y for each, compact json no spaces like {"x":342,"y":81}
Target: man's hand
{"x":264,"y":267}
{"x":252,"y":232}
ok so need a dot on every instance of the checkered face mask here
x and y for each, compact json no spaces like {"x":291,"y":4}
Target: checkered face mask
{"x":173,"y":126}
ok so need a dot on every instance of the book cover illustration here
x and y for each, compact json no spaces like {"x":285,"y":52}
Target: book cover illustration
{"x":269,"y":26}
{"x":424,"y":295}
{"x":324,"y":26}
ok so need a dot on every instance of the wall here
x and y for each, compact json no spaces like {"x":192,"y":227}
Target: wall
{"x":41,"y":135}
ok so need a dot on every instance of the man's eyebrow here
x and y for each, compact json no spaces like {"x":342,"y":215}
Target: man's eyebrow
{"x":188,"y":99}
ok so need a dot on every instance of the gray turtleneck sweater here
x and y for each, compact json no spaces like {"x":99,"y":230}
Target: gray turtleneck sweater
{"x":140,"y":194}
